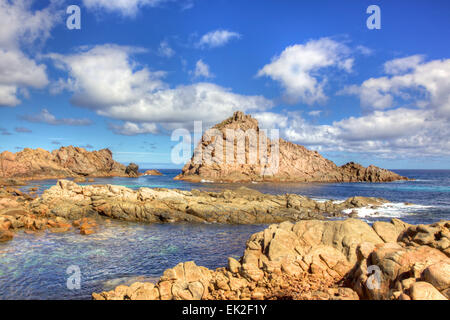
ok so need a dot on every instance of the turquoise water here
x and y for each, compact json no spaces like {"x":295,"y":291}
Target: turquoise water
{"x":34,"y":266}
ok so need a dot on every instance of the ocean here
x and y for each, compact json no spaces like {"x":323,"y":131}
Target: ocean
{"x":34,"y":266}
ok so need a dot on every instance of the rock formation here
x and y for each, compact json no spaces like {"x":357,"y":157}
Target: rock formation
{"x":250,"y":163}
{"x":15,"y":214}
{"x":317,"y":260}
{"x":241,"y":206}
{"x":65,"y":162}
{"x":152,"y":172}
{"x":132,"y":170}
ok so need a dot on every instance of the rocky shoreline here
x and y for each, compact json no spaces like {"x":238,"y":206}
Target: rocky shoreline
{"x":158,"y":205}
{"x":316,"y":260}
{"x":65,"y":162}
{"x":304,"y":255}
{"x":61,"y":207}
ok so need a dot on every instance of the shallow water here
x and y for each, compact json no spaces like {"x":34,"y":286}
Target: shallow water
{"x":34,"y":266}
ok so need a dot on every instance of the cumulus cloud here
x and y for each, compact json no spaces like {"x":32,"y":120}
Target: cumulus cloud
{"x":46,"y":117}
{"x":297,"y":68}
{"x":269,"y":120}
{"x":105,"y":75}
{"x":18,"y":71}
{"x":423,"y":84}
{"x":415,"y":124}
{"x":21,"y":26}
{"x":202,"y":70}
{"x":106,"y":79}
{"x":127,"y":8}
{"x":217,"y":38}
{"x":387,"y":134}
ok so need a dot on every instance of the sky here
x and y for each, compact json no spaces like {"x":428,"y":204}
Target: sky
{"x":137,"y":70}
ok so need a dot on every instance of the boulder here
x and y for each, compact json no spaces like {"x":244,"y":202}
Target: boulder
{"x":438,"y":275}
{"x":425,"y":291}
{"x":132,"y":170}
{"x":6,"y":235}
{"x":152,"y":172}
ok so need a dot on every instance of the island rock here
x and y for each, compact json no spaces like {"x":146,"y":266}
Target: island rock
{"x":254,"y":160}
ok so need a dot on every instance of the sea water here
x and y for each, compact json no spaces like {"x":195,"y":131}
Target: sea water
{"x":34,"y":266}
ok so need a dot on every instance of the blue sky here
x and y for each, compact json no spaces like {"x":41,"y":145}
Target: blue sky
{"x":139,"y":69}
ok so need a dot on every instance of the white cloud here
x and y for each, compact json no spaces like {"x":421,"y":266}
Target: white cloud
{"x":202,"y":70}
{"x":165,"y":50}
{"x":423,"y":84}
{"x":107,"y":80}
{"x":8,"y":95}
{"x":417,"y":127}
{"x":46,"y":117}
{"x":124,"y":7}
{"x":401,"y":65}
{"x":20,"y":26}
{"x":217,"y":38}
{"x":298,"y":65}
{"x":18,"y":71}
{"x":364,"y":50}
{"x":269,"y":120}
{"x":132,"y":129}
{"x":315,"y":113}
{"x":387,"y":134}
{"x":105,"y":75}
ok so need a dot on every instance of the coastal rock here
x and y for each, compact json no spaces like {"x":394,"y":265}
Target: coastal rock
{"x":436,"y":235}
{"x":310,"y":260}
{"x":295,"y":162}
{"x":241,"y":206}
{"x":6,"y":235}
{"x":132,"y":170}
{"x":152,"y":172}
{"x":65,"y":162}
{"x":424,"y":291}
{"x":389,"y":231}
{"x":87,"y":226}
{"x":438,"y":275}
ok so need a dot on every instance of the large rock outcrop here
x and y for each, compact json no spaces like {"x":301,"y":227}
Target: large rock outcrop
{"x":241,"y":206}
{"x":316,"y":260}
{"x":64,"y":162}
{"x":295,"y":162}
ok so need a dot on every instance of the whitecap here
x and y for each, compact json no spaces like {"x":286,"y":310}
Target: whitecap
{"x":388,"y":210}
